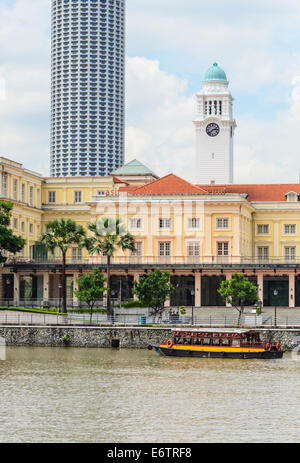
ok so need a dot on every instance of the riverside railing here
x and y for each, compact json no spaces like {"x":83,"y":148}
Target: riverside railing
{"x":100,"y":319}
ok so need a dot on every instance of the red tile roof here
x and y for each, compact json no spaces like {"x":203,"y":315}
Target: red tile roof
{"x":169,"y":185}
{"x":259,"y":192}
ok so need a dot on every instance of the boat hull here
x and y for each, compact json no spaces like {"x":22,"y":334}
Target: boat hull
{"x":265,"y":354}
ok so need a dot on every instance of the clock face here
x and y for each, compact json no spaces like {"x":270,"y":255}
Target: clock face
{"x":212,"y":129}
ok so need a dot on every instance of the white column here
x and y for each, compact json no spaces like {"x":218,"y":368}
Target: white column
{"x":197,"y":289}
{"x":16,"y":289}
{"x":291,"y":290}
{"x":276,"y":242}
{"x":260,"y":282}
{"x":237,"y":238}
{"x":208,"y":237}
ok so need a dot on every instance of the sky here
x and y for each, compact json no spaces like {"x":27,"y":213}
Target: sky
{"x":169,"y":46}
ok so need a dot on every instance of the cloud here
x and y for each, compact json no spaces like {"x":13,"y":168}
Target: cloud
{"x":159,"y":125}
{"x":161,"y":132}
{"x":170,"y":45}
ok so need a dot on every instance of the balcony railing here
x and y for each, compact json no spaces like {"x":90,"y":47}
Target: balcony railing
{"x":158,"y":260}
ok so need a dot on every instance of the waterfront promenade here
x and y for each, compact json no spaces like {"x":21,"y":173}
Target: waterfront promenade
{"x":203,"y":316}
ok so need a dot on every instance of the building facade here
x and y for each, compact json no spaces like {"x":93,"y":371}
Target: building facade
{"x":87,"y":87}
{"x":215,"y":128}
{"x":202,"y":234}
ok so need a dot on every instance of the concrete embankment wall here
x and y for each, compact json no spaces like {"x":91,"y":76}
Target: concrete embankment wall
{"x":126,"y":337}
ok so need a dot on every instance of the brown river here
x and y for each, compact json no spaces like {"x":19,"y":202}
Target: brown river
{"x":120,"y":396}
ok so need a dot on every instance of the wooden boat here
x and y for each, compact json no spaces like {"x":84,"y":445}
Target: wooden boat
{"x":218,"y":343}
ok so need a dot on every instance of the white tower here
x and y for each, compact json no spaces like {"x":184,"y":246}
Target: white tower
{"x":214,"y":129}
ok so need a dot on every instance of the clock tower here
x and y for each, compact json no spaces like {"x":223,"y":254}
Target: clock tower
{"x":214,"y":129}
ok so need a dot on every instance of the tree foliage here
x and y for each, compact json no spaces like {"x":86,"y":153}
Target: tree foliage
{"x":63,"y":234}
{"x":237,"y":291}
{"x":8,"y":241}
{"x":108,"y":235}
{"x":153,"y":290}
{"x":91,"y":288}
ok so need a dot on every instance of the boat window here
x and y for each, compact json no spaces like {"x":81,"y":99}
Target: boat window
{"x":197,"y":340}
{"x":216,"y":341}
{"x":206,"y":340}
{"x":225,"y":341}
{"x":188,"y":340}
{"x":235,"y":343}
{"x":177,"y":340}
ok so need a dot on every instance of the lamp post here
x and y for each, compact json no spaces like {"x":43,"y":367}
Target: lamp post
{"x":59,"y":294}
{"x":192,"y":294}
{"x":113,"y":293}
{"x":275,"y":292}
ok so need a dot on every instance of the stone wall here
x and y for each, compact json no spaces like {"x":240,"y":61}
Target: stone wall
{"x":126,"y":337}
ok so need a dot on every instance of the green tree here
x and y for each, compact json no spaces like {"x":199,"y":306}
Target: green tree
{"x":153,"y":290}
{"x":237,"y":291}
{"x":63,"y":234}
{"x":91,"y":288}
{"x":8,"y":241}
{"x":109,"y":234}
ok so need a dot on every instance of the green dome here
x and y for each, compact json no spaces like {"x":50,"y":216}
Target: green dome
{"x":215,"y":73}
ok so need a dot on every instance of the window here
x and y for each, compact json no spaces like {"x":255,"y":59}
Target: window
{"x":236,"y":343}
{"x":76,"y":254}
{"x":77,"y":196}
{"x":15,"y":185}
{"x":164,"y":223}
{"x":263,"y":229}
{"x":223,"y":248}
{"x":23,"y":227}
{"x":135,"y":223}
{"x":290,"y":253}
{"x":165,"y":248}
{"x":138,"y":249}
{"x":31,"y":228}
{"x":51,"y":196}
{"x":31,"y":196}
{"x":193,"y":223}
{"x":263,"y":252}
{"x":222,"y":222}
{"x":193,"y":248}
{"x":289,"y":229}
{"x":23,"y":192}
{"x":16,"y":224}
{"x":4,"y":184}
{"x":292,"y":196}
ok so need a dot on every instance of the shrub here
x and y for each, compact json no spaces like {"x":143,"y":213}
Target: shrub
{"x":133,"y":303}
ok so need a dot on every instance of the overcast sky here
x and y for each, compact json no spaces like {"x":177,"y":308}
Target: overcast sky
{"x":170,"y":45}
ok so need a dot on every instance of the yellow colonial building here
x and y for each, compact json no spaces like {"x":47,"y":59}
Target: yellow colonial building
{"x":201,"y":233}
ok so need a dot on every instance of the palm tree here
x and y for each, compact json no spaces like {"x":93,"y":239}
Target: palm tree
{"x":63,"y":234}
{"x":109,"y":234}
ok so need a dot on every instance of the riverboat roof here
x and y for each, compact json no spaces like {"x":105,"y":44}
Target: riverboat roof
{"x":212,"y":330}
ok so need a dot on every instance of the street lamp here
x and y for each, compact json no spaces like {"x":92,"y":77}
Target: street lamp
{"x":275,"y":292}
{"x":59,"y":294}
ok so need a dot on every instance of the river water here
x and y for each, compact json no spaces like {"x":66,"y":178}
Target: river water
{"x":106,"y":395}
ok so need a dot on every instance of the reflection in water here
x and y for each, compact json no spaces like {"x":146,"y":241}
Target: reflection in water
{"x":106,"y":395}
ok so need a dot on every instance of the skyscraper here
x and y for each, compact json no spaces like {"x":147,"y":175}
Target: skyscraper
{"x":87,"y":87}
